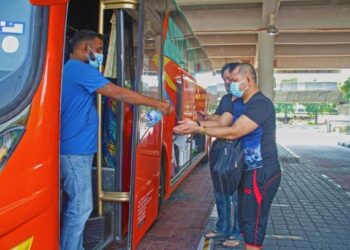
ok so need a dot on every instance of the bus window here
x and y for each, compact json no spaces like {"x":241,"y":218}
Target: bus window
{"x":20,"y":46}
{"x":151,"y":78}
{"x":21,"y":50}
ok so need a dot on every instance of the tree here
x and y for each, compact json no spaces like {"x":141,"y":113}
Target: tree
{"x":285,"y":108}
{"x":345,"y":89}
{"x":316,"y":109}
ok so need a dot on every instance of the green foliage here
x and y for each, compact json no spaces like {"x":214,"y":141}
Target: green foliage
{"x":320,"y":108}
{"x":315,"y":109}
{"x":345,"y":89}
{"x":285,"y":107}
{"x":291,"y":80}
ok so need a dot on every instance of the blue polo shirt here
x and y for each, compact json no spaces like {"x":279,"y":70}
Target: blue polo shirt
{"x":79,"y":120}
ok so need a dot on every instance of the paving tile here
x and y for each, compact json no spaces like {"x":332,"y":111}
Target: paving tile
{"x":185,"y":214}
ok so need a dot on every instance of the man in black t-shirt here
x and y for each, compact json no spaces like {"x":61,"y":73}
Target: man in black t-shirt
{"x":256,"y":129}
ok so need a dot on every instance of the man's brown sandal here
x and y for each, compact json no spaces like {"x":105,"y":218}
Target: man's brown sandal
{"x":231,"y":243}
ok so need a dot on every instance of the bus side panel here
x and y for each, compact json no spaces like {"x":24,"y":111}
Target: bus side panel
{"x":29,"y":183}
{"x":128,"y":114}
{"x":171,"y":76}
{"x":189,"y":93}
{"x":147,"y":172}
{"x":201,"y":99}
{"x":174,"y":78}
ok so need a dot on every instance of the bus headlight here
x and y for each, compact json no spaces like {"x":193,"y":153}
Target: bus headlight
{"x":8,"y":142}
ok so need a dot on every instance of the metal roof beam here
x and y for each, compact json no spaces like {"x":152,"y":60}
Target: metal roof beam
{"x":312,"y":62}
{"x":312,"y":50}
{"x":290,"y":19}
{"x":269,"y":7}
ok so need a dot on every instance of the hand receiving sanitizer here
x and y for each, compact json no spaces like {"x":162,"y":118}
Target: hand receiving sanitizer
{"x":153,"y":117}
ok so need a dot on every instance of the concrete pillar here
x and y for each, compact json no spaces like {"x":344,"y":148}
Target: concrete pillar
{"x":266,"y":52}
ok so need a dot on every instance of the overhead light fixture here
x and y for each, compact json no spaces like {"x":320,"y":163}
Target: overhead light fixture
{"x":272,"y":30}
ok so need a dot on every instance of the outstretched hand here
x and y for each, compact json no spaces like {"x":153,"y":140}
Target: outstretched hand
{"x":187,"y":126}
{"x":185,"y":129}
{"x":189,"y":122}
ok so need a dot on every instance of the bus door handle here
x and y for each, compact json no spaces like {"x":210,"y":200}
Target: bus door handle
{"x":115,"y":196}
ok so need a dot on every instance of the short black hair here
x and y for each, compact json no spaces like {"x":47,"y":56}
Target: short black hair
{"x":230,"y":66}
{"x":248,"y":69}
{"x":83,"y":35}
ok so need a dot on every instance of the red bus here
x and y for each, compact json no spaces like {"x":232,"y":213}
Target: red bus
{"x":150,"y":48}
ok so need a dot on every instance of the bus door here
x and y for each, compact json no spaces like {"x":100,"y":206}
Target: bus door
{"x":116,"y":21}
{"x":111,"y":173}
{"x":128,"y":160}
{"x":147,"y":141}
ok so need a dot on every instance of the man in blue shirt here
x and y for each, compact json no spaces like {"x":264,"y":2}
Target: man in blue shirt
{"x":79,"y":124}
{"x":256,"y":128}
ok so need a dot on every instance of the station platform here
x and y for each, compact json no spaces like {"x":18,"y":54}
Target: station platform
{"x":310,"y":211}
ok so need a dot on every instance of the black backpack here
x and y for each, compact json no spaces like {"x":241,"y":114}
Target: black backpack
{"x":226,"y":160}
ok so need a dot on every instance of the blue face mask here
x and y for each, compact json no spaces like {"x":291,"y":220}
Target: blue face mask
{"x":234,"y":89}
{"x":95,"y":60}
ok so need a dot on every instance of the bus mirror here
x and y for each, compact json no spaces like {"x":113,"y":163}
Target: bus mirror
{"x":48,"y":2}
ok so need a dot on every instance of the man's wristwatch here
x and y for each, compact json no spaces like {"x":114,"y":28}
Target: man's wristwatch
{"x":203,"y":130}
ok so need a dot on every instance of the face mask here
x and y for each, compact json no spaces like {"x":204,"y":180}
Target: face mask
{"x":234,"y":89}
{"x":95,"y":60}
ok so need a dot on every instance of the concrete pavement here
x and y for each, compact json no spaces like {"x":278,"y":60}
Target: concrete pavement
{"x":310,"y":211}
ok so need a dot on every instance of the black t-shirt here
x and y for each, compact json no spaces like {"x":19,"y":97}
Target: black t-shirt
{"x":261,"y":110}
{"x":259,"y":146}
{"x":225,"y":105}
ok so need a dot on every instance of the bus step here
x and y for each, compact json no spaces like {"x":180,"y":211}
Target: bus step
{"x":94,"y":231}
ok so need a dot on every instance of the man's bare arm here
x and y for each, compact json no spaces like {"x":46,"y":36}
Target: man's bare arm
{"x":225,"y":119}
{"x":241,"y":127}
{"x":132,"y":97}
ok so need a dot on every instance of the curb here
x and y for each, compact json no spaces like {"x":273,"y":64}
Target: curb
{"x":205,"y":244}
{"x":287,"y":156}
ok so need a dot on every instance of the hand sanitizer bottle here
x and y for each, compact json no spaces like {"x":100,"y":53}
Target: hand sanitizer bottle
{"x":153,"y":117}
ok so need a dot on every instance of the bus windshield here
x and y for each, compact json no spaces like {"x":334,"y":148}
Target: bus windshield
{"x":19,"y":30}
